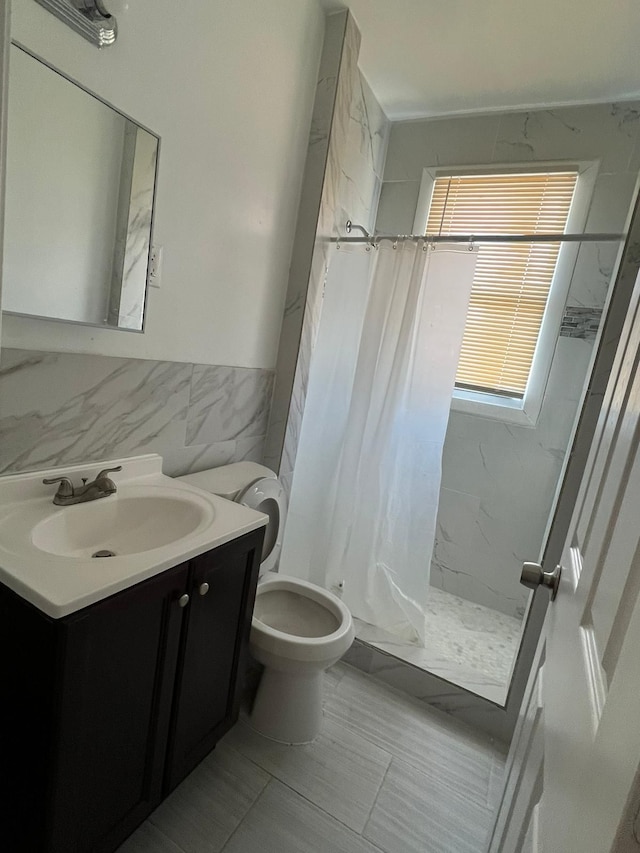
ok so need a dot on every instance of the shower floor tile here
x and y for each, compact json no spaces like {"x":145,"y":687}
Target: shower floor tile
{"x":467,"y":644}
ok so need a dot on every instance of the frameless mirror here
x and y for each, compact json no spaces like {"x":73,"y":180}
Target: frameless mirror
{"x":79,"y":203}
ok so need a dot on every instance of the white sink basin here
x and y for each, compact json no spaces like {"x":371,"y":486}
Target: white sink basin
{"x":151,"y":523}
{"x":121,"y":524}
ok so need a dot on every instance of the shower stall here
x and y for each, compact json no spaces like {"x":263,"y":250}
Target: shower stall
{"x":411,"y":497}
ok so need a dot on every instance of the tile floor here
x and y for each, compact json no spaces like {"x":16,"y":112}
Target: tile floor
{"x":466,"y":643}
{"x":386,"y":775}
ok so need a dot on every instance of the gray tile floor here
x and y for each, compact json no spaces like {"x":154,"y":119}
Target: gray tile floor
{"x":386,"y":774}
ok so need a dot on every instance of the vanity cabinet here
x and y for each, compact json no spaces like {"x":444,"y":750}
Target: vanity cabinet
{"x":106,"y":710}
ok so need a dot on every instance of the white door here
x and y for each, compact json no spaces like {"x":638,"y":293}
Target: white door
{"x":571,"y":775}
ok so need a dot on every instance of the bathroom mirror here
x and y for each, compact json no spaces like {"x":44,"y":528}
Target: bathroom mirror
{"x":79,"y":202}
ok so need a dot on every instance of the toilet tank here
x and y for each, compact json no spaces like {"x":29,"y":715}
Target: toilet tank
{"x":228,"y":480}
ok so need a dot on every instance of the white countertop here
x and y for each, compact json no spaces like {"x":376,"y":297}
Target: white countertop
{"x":59,"y":585}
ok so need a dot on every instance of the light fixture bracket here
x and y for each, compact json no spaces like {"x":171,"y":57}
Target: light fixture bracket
{"x":89,"y":18}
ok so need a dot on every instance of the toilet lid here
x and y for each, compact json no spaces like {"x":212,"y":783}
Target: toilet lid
{"x":267,"y":495}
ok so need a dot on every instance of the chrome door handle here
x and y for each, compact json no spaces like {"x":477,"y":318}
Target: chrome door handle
{"x":183,"y":600}
{"x":203,"y":589}
{"x":533,"y":576}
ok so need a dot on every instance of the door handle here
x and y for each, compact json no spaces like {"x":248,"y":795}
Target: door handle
{"x":183,"y":600}
{"x":533,"y":576}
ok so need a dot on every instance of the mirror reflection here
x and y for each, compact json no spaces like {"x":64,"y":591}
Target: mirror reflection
{"x":79,"y":203}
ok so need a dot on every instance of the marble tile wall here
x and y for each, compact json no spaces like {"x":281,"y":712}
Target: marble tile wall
{"x":61,"y":408}
{"x":308,"y":240}
{"x":486,"y":526}
{"x":343,"y":178}
{"x":136,"y":254}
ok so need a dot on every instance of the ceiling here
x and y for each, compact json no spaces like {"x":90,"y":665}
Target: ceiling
{"x":441,"y":57}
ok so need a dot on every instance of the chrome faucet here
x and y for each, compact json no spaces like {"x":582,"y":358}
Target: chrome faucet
{"x":101,"y":487}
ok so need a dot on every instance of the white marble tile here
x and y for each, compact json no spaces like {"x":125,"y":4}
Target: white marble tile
{"x":199,"y":457}
{"x":205,"y":809}
{"x":379,"y":128}
{"x":138,"y":233}
{"x":59,"y":408}
{"x":305,"y":242}
{"x":284,"y":822}
{"x":228,"y":403}
{"x":568,"y":370}
{"x":459,"y":141}
{"x":605,"y":132}
{"x":250,"y":449}
{"x":351,"y":188}
{"x":286,"y":479}
{"x":362,"y":158}
{"x":592,"y":274}
{"x":188,"y":460}
{"x":613,"y":195}
{"x":483,"y":538}
{"x":397,"y":208}
{"x":465,"y":643}
{"x":340,"y":772}
{"x":401,"y":823}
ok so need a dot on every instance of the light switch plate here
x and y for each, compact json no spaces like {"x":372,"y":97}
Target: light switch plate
{"x":155,"y":266}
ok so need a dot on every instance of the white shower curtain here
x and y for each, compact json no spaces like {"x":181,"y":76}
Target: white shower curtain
{"x":365,"y":493}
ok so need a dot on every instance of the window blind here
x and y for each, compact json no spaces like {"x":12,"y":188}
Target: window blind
{"x":512,"y":281}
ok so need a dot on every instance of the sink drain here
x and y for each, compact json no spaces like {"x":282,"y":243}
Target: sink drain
{"x":104,"y":553}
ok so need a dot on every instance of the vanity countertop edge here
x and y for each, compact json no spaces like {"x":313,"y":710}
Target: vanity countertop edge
{"x":60,"y":586}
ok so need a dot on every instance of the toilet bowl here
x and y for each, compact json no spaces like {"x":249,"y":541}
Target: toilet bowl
{"x":298,"y":629}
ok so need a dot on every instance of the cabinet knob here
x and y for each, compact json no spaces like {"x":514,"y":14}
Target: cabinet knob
{"x":203,"y":589}
{"x":183,"y":600}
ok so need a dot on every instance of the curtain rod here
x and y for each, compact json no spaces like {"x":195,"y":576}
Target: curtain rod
{"x":478,"y":238}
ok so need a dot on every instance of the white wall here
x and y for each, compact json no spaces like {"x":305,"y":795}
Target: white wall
{"x":60,"y":230}
{"x":229,"y":88}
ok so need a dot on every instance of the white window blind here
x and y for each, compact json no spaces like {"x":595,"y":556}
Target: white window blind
{"x":512,"y":280}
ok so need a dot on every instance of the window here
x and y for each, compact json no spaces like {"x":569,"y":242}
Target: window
{"x":509,"y":405}
{"x":513,"y":281}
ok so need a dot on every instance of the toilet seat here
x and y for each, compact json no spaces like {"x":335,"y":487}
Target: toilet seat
{"x":266,"y":495}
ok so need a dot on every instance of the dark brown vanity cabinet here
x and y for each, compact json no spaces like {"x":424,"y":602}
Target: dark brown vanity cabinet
{"x":103,"y":712}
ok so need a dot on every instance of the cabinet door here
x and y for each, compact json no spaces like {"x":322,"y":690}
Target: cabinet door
{"x":214,"y":645}
{"x":116,"y":688}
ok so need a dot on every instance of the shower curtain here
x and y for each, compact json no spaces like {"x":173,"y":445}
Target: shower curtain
{"x":364,"y":498}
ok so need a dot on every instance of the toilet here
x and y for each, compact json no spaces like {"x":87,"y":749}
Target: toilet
{"x":298,"y":629}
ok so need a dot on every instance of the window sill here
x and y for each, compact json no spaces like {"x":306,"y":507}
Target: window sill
{"x":492,"y":406}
